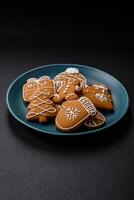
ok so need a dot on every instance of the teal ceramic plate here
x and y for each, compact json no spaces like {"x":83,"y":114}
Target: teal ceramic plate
{"x":18,"y":108}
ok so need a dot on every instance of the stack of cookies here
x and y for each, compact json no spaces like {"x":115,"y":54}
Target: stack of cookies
{"x":68,"y":99}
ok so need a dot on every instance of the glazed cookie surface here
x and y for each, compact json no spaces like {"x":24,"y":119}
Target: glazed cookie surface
{"x":95,"y":121}
{"x":34,"y":87}
{"x":58,"y":108}
{"x":41,"y":108}
{"x":74,"y":113}
{"x":69,"y":90}
{"x":69,"y":74}
{"x":100,"y":96}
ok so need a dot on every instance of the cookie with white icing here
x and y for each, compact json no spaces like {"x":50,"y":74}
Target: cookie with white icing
{"x":34,"y":87}
{"x":95,"y":121}
{"x":41,"y":108}
{"x":69,"y":74}
{"x":100,"y":95}
{"x":74,"y":113}
{"x":69,"y":90}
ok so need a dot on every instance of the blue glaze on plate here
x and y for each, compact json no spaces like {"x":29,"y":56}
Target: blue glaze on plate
{"x":18,"y":108}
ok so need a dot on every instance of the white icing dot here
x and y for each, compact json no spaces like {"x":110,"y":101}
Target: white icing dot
{"x":57,"y":95}
{"x":29,"y":85}
{"x":76,"y":87}
{"x":69,"y":95}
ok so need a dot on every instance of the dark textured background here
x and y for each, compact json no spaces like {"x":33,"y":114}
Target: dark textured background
{"x":35,"y":167}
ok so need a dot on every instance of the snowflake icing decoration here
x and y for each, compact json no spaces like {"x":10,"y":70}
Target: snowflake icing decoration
{"x":101,"y":97}
{"x":72,"y":113}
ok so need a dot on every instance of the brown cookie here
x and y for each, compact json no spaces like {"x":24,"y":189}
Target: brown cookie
{"x":41,"y":108}
{"x":34,"y":87}
{"x":95,"y":121}
{"x":99,"y":95}
{"x":74,"y":113}
{"x":58,"y":108}
{"x":67,"y":91}
{"x":69,"y":74}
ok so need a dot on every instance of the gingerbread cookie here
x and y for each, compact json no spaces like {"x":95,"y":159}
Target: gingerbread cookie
{"x":95,"y":121}
{"x":100,"y":96}
{"x":41,"y":108}
{"x":68,"y":91}
{"x":74,"y":113}
{"x":58,"y":107}
{"x":34,"y":87}
{"x":69,"y":74}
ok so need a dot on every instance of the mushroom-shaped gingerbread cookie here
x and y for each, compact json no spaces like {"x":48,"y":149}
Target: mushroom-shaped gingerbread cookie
{"x":41,"y":108}
{"x":74,"y":113}
{"x":69,"y":74}
{"x":100,"y":96}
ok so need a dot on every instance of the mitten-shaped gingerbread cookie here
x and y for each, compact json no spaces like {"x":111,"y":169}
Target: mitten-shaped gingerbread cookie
{"x":99,"y":95}
{"x":41,"y":108}
{"x":34,"y":87}
{"x":95,"y":121}
{"x":74,"y":113}
{"x":68,"y":91}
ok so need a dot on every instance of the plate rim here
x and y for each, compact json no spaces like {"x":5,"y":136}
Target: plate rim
{"x":93,"y":131}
